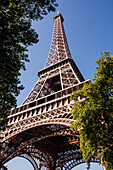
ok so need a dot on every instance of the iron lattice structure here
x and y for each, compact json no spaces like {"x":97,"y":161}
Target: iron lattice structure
{"x":38,"y":130}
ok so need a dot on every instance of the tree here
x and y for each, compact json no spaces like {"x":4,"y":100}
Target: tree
{"x":93,"y":112}
{"x":16,"y":34}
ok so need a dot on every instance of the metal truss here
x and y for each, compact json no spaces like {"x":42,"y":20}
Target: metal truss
{"x":59,"y":49}
{"x":55,"y":79}
{"x":51,"y":110}
{"x":38,"y":130}
{"x":60,"y":71}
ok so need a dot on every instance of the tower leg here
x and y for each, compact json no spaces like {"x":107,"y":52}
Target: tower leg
{"x":52,"y":165}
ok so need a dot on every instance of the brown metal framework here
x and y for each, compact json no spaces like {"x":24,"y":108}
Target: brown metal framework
{"x":38,"y":130}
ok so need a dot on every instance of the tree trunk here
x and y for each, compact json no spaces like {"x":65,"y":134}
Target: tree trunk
{"x":103,"y":166}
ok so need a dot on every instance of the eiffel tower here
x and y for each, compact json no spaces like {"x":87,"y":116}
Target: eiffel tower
{"x":39,"y":129}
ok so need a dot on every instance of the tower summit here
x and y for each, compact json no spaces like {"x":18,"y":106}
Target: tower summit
{"x":59,"y":49}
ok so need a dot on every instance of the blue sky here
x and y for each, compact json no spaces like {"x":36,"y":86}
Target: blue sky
{"x":89,"y":29}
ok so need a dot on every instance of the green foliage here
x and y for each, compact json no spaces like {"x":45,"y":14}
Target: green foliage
{"x":16,"y":34}
{"x":93,"y":112}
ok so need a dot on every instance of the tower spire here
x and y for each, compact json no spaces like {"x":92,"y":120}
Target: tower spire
{"x":60,"y":71}
{"x":59,"y":49}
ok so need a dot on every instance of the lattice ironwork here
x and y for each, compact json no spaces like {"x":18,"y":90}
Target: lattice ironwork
{"x":60,"y":70}
{"x":59,"y":49}
{"x":38,"y":130}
